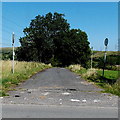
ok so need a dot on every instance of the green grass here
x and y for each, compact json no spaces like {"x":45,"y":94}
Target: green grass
{"x":109,"y":82}
{"x":23,"y":71}
{"x":77,"y":69}
{"x":109,"y":74}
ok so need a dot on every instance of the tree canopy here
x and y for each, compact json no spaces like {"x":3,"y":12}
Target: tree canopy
{"x":49,"y":39}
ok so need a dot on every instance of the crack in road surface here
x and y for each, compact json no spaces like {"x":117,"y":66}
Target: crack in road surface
{"x":63,"y":88}
{"x":48,"y":87}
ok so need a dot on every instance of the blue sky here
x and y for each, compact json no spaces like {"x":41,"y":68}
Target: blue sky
{"x":98,"y":19}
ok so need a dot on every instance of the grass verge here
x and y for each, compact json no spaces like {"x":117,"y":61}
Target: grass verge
{"x":23,"y":71}
{"x":110,"y":82}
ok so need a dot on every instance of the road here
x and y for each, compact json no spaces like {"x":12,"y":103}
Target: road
{"x":57,"y":92}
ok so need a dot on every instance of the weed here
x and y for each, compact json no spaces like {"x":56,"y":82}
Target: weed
{"x":110,"y":82}
{"x":23,"y":71}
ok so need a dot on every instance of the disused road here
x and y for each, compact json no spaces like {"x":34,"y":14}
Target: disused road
{"x":59,"y":87}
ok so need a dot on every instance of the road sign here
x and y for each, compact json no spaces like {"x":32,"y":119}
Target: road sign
{"x":13,"y":38}
{"x":106,"y":42}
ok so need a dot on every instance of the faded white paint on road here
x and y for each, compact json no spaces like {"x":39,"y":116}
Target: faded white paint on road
{"x":63,"y":89}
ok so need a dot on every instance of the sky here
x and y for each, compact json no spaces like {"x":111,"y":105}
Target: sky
{"x":59,"y":0}
{"x":98,"y":19}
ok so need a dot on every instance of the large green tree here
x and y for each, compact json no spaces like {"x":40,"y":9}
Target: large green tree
{"x":73,"y":48}
{"x":50,"y":39}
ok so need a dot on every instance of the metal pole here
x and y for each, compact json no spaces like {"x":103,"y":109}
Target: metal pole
{"x":13,"y":53}
{"x":104,"y":59}
{"x":105,"y":43}
{"x":91,"y":57}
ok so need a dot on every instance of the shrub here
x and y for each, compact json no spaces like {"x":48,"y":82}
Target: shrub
{"x":91,"y":74}
{"x":75,"y":68}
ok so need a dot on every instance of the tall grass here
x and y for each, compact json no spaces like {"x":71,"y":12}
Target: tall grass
{"x":23,"y":71}
{"x":77,"y":68}
{"x":110,"y":82}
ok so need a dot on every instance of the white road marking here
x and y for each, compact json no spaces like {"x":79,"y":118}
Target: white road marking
{"x":74,"y":100}
{"x":95,"y":101}
{"x":66,"y":93}
{"x":45,"y":93}
{"x":84,"y":101}
{"x":78,"y":77}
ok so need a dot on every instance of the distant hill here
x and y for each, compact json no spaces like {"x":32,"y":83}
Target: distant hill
{"x":98,"y":54}
{"x":6,"y":49}
{"x":112,"y":59}
{"x":98,"y":57}
{"x":6,"y":53}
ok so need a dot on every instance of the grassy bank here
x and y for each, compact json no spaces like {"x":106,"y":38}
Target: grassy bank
{"x":23,"y":71}
{"x":112,"y":60}
{"x":109,"y":82}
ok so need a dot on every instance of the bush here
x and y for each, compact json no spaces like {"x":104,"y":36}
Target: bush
{"x":75,"y":68}
{"x":111,"y":61}
{"x":91,"y":74}
{"x":55,"y":62}
{"x":114,"y":89}
{"x":112,"y":67}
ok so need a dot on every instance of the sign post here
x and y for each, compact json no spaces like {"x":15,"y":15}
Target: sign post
{"x":91,"y":56}
{"x":105,"y":43}
{"x":13,"y":38}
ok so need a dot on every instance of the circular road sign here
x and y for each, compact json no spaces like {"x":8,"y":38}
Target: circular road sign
{"x":106,"y":42}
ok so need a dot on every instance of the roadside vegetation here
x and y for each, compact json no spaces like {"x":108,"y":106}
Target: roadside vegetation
{"x":110,"y":82}
{"x":112,"y":61}
{"x":23,"y":71}
{"x":6,"y":53}
{"x":50,"y":39}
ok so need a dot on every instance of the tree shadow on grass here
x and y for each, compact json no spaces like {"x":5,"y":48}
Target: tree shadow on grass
{"x":107,"y":80}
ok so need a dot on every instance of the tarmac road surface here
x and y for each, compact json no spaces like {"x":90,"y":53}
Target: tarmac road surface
{"x":59,"y":93}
